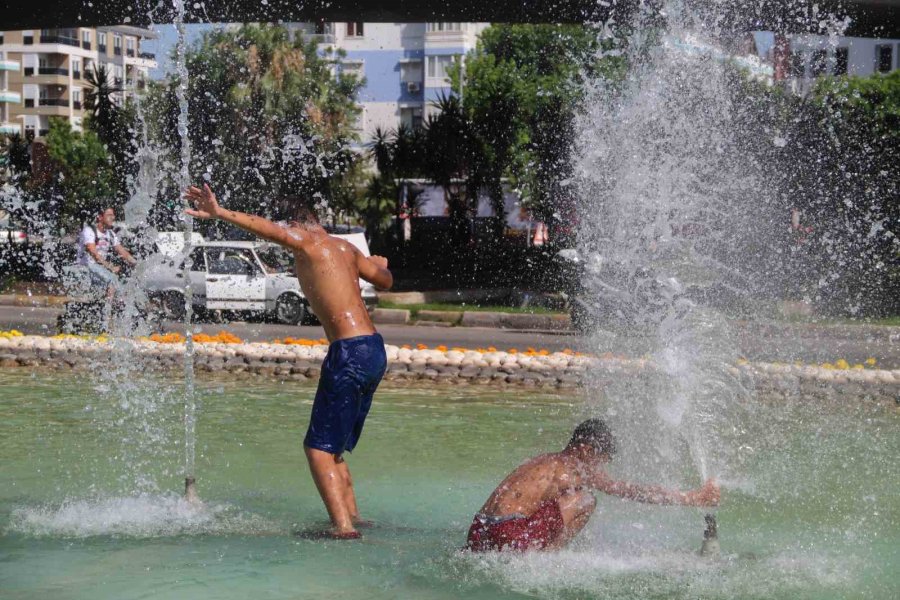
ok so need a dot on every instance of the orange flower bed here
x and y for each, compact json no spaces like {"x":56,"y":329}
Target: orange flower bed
{"x":223,"y":337}
{"x":301,"y":341}
{"x":167,"y":338}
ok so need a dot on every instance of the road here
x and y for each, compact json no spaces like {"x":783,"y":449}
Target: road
{"x":786,"y":346}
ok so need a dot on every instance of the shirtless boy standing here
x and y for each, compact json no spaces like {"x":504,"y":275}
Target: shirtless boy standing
{"x":329,"y":270}
{"x":545,"y":502}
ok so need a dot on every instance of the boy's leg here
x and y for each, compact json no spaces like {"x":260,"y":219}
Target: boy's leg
{"x":349,"y":495}
{"x":576,"y":509}
{"x":331,"y":483}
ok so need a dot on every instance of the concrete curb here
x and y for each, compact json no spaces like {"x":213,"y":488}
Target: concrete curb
{"x":26,"y":300}
{"x":559,"y":370}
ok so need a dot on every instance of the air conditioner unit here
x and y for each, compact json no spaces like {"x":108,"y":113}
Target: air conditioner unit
{"x":413,"y":87}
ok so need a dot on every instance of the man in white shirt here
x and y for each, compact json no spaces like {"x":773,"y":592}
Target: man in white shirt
{"x":94,"y":246}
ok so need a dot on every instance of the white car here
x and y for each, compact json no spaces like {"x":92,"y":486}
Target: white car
{"x":237,"y":276}
{"x":9,"y":234}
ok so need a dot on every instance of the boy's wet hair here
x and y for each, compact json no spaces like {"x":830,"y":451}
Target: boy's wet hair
{"x":596,"y":434}
{"x":295,"y":209}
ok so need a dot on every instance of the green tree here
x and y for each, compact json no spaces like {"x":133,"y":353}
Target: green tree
{"x":523,"y":86}
{"x":113,"y":123}
{"x":267,"y":115}
{"x":83,"y":179}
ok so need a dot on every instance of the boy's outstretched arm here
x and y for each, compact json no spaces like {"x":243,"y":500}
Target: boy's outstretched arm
{"x":207,"y":207}
{"x":708,"y":495}
{"x":374,"y":270}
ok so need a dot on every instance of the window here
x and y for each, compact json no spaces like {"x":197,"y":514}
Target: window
{"x":439,"y":65}
{"x":231,"y":261}
{"x":101,"y":42}
{"x":841,"y":61}
{"x":129,"y":46}
{"x":320,"y":28}
{"x":1,"y":37}
{"x":354,"y":29}
{"x":117,"y":44}
{"x":76,"y":68}
{"x":443,"y":26}
{"x":884,"y":58}
{"x":819,"y":63}
{"x":76,"y":95}
{"x":86,"y":39}
{"x":411,"y":71}
{"x":797,"y":67}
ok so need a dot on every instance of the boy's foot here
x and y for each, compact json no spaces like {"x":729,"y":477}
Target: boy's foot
{"x":327,"y":534}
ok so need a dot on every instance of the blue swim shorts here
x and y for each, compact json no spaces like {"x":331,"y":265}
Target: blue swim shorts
{"x":352,"y":370}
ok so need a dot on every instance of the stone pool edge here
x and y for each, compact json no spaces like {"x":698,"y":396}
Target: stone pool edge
{"x":559,"y":370}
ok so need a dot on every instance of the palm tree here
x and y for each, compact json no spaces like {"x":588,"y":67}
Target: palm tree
{"x":99,"y":103}
{"x":381,"y":151}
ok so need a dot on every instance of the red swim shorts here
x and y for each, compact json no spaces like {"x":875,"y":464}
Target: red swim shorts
{"x":535,"y":532}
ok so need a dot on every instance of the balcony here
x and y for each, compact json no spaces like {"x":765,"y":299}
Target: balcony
{"x":7,"y":96}
{"x":10,"y":128}
{"x":53,"y":71}
{"x":64,"y":102}
{"x":28,"y":40}
{"x":86,"y":45}
{"x":29,"y":103}
{"x":76,"y":104}
{"x":29,"y":71}
{"x":59,"y":39}
{"x":102,"y":48}
{"x":76,"y":74}
{"x":117,"y":51}
{"x":129,"y":52}
{"x":147,"y":56}
{"x":9,"y":65}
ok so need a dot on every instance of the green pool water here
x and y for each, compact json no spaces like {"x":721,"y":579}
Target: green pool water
{"x":91,"y":470}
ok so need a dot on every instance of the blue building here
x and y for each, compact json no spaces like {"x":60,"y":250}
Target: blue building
{"x":404,"y":65}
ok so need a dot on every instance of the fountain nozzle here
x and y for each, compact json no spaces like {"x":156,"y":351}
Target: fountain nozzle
{"x":710,"y":546}
{"x":190,"y":490}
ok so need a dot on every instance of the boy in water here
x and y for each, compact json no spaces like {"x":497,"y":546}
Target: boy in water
{"x":329,"y":270}
{"x":544,"y":503}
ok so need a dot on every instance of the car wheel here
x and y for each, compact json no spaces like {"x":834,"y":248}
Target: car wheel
{"x":290,"y":310}
{"x":169,"y":306}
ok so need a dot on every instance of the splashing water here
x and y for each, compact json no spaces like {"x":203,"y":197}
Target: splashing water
{"x":672,"y":202}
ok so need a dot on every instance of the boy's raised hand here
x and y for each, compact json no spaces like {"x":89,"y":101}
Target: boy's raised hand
{"x":204,"y":202}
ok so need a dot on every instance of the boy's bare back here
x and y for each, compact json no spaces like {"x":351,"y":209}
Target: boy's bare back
{"x":329,"y":270}
{"x":544,"y":477}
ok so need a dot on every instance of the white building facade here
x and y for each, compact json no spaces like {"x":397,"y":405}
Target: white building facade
{"x":404,"y":65}
{"x":800,"y":59}
{"x":44,"y":71}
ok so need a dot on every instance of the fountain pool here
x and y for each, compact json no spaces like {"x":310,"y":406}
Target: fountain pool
{"x":812,"y":514}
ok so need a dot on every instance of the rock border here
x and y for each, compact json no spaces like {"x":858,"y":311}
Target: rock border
{"x":558,"y":370}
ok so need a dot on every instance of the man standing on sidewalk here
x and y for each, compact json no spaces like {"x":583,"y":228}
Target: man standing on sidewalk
{"x":329,"y":270}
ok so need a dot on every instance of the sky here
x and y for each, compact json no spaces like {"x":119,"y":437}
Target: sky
{"x":165,"y":45}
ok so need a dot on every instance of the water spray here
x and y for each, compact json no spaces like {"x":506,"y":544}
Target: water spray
{"x":184,"y":180}
{"x":710,"y":546}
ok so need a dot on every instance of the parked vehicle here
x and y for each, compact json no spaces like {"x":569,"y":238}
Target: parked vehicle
{"x":10,"y":234}
{"x":249,"y":277}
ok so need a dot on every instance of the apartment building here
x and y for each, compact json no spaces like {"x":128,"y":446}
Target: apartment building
{"x":405,"y":65}
{"x":42,"y":72}
{"x":800,"y":59}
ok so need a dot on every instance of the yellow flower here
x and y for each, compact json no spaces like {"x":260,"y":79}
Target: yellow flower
{"x":871,"y":361}
{"x":828,"y":366}
{"x":841,"y":364}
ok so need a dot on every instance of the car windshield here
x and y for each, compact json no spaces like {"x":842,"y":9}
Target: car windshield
{"x":276,"y":259}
